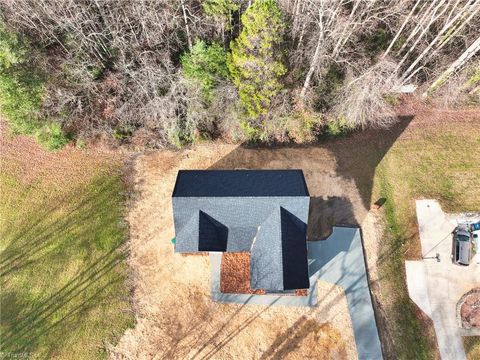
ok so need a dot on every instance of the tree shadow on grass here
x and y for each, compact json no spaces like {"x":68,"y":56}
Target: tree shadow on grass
{"x":290,"y":340}
{"x":79,"y":233}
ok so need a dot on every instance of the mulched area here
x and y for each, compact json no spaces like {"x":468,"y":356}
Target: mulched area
{"x":470,"y":310}
{"x":235,"y":276}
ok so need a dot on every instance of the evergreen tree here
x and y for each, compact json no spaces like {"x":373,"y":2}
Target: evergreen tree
{"x":205,"y":64}
{"x":221,"y":10}
{"x":255,"y":61}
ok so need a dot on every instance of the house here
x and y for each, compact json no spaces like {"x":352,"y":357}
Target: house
{"x":263,"y":212}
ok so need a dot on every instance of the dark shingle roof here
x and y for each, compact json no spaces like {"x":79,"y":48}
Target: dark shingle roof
{"x":272,"y":228}
{"x":212,"y":235}
{"x":232,"y":183}
{"x":294,"y":251}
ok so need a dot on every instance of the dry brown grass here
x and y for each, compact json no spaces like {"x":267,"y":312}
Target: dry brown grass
{"x":176,"y":318}
{"x":472,"y":347}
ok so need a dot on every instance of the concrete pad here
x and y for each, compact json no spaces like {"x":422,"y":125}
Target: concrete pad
{"x":417,"y":285}
{"x":338,"y":260}
{"x":435,"y":286}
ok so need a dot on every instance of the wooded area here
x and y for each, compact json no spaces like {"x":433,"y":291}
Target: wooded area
{"x":174,"y":72}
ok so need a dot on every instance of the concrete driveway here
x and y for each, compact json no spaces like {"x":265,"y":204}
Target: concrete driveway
{"x":339,"y":260}
{"x":435,"y":286}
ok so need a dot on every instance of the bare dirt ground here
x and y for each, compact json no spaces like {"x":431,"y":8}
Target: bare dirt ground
{"x":175,"y":316}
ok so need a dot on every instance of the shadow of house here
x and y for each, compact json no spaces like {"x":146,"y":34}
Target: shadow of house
{"x":329,"y":168}
{"x":327,"y":212}
{"x":358,"y":155}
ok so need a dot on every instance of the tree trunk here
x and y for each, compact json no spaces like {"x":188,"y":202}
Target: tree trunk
{"x":185,"y":18}
{"x":433,"y":18}
{"x":457,"y":64}
{"x":313,"y":65}
{"x":407,"y":19}
{"x":314,"y":62}
{"x":407,"y":74}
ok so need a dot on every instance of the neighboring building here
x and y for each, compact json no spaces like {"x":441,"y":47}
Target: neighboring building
{"x":263,"y":212}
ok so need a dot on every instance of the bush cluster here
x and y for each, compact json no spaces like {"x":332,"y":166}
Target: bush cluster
{"x":172,"y":73}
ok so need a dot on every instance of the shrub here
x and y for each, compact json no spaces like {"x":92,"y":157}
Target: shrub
{"x":328,"y":88}
{"x":51,"y":136}
{"x":302,"y":125}
{"x":206,"y":64}
{"x":21,"y":89}
{"x":377,"y":41}
{"x":21,"y":93}
{"x":337,"y":127}
{"x":362,"y":102}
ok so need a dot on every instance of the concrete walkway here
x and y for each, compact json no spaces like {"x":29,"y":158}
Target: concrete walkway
{"x":266,"y":300}
{"x":339,"y":260}
{"x":435,"y":286}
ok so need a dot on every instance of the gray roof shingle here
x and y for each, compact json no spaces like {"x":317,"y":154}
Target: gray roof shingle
{"x":232,"y":183}
{"x":271,"y":228}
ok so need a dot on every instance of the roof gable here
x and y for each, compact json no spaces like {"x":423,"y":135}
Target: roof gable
{"x":294,"y":251}
{"x":271,"y":228}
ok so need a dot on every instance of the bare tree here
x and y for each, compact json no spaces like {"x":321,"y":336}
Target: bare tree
{"x":472,"y":50}
{"x":326,"y":30}
{"x":116,"y":66}
{"x":436,"y":25}
{"x":363,"y":103}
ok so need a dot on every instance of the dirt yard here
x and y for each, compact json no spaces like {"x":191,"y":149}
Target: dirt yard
{"x":177,"y":319}
{"x":175,"y":316}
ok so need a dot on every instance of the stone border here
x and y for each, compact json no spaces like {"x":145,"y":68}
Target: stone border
{"x":474,"y":330}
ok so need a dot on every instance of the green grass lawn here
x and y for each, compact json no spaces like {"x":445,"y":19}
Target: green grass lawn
{"x":62,"y":270}
{"x":441,"y":163}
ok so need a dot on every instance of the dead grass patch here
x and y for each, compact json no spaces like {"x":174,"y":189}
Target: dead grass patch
{"x":472,"y":347}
